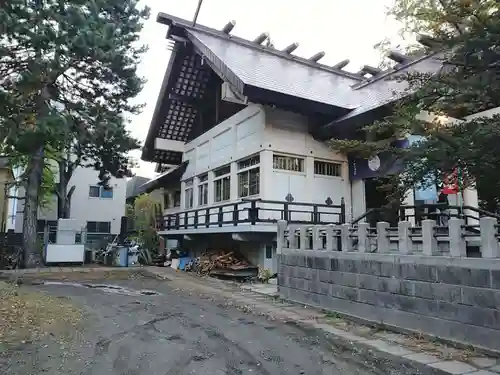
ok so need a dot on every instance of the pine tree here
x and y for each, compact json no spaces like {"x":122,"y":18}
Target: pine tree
{"x":466,"y":36}
{"x":64,"y":67}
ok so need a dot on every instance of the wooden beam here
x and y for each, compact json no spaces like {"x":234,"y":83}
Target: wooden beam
{"x":342,"y":64}
{"x":318,"y":56}
{"x":292,"y":47}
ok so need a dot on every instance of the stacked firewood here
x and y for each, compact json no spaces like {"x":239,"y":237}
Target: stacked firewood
{"x":220,"y":260}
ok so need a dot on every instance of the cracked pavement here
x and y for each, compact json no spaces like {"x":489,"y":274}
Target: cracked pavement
{"x":178,"y":332}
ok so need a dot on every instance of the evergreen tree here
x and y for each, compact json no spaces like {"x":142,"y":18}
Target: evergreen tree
{"x":68,"y":70}
{"x":466,"y":36}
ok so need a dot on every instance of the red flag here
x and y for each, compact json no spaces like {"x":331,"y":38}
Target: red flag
{"x":450,"y":183}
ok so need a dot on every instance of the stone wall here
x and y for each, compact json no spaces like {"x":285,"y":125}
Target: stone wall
{"x":452,"y":298}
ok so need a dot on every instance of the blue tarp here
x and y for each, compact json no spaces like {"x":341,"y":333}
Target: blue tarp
{"x":183,"y":262}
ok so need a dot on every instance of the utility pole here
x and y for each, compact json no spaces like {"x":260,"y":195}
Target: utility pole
{"x":197,"y":12}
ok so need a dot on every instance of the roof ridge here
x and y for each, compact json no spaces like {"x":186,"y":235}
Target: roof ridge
{"x":390,"y":72}
{"x":170,"y":20}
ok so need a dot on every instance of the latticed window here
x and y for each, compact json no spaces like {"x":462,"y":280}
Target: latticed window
{"x":288,"y":163}
{"x":327,"y":168}
{"x":222,"y":184}
{"x":249,"y":177}
{"x":250,"y":162}
{"x":188,"y":195}
{"x":203,"y":190}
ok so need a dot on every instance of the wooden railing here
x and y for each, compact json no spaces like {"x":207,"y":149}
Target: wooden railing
{"x":253,"y":212}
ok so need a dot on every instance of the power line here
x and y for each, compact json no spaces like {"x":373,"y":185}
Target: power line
{"x":197,"y":12}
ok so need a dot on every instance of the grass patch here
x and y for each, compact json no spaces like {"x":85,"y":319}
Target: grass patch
{"x":27,"y":316}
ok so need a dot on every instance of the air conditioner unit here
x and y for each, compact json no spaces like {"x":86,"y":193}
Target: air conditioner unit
{"x":230,"y":96}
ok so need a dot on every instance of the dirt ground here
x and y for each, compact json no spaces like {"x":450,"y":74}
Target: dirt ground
{"x":137,"y":325}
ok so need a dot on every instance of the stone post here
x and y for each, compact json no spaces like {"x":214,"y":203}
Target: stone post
{"x":404,"y":239}
{"x":363,"y":244}
{"x":317,"y":239}
{"x":345,"y":235}
{"x":292,"y":237}
{"x":489,"y":240}
{"x":304,"y":237}
{"x":457,"y":239}
{"x":331,"y":234}
{"x":280,"y":236}
{"x":429,"y":241}
{"x":382,"y":237}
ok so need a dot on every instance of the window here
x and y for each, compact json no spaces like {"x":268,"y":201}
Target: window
{"x":203,"y":190}
{"x":97,"y":191}
{"x":188,"y":194}
{"x":222,"y":184}
{"x":177,"y":198}
{"x":222,"y":171}
{"x":94,"y":191}
{"x":327,"y":169}
{"x":288,"y":163}
{"x":269,"y":251}
{"x":106,"y":192}
{"x":249,"y":177}
{"x":98,"y":227}
{"x":254,"y":160}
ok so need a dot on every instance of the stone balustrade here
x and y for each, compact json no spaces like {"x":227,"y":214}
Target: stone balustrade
{"x":429,"y":239}
{"x":409,"y":278}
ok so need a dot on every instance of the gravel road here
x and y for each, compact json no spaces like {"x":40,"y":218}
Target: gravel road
{"x":127,"y":332}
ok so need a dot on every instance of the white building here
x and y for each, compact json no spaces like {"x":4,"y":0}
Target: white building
{"x":98,"y":211}
{"x":241,"y":128}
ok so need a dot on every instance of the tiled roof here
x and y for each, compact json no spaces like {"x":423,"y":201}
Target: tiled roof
{"x":171,"y":176}
{"x":259,"y":68}
{"x":387,"y":88}
{"x":253,"y":69}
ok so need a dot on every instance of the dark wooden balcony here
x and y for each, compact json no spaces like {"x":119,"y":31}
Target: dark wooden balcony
{"x":253,"y":212}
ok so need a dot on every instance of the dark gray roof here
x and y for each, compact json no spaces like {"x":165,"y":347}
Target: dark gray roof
{"x":387,"y":88}
{"x":265,"y":75}
{"x":134,"y":186}
{"x":259,"y":68}
{"x":173,"y":175}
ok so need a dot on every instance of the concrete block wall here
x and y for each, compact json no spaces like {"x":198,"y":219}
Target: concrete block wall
{"x":448,"y":297}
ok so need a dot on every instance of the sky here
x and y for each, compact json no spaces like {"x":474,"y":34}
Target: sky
{"x":344,"y":29}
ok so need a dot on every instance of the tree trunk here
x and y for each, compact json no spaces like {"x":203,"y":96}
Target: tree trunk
{"x":63,"y":195}
{"x":32,"y":250}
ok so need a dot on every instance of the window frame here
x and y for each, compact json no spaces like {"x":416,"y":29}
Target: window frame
{"x":302,"y":163}
{"x":97,"y":224}
{"x":91,"y":187}
{"x":222,"y":179}
{"x":189,"y":194}
{"x":245,"y":168}
{"x":328,"y":163}
{"x":177,"y":198}
{"x":101,"y":189}
{"x":203,"y":190}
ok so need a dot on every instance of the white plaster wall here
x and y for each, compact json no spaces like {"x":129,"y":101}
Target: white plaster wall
{"x":83,"y":207}
{"x":231,"y":140}
{"x":259,"y":129}
{"x":289,"y":134}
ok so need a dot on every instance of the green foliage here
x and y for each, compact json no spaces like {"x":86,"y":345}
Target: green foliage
{"x":68,"y":70}
{"x":468,"y":32}
{"x":143,"y":214}
{"x":442,"y":19}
